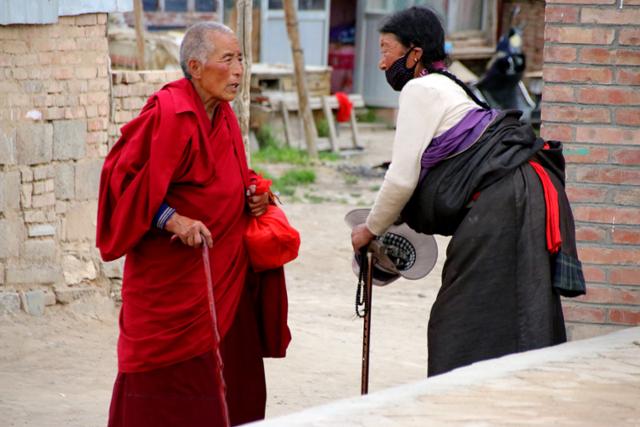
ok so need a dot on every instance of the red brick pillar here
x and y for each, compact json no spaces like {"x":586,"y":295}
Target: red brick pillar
{"x":591,"y":101}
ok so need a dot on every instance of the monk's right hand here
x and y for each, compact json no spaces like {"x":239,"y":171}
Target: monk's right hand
{"x":189,"y":231}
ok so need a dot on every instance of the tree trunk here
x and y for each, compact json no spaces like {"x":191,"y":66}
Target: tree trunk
{"x":137,"y":10}
{"x":244,"y":9}
{"x":310,"y":132}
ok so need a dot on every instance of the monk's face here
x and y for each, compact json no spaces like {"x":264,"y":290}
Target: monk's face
{"x":220,"y":75}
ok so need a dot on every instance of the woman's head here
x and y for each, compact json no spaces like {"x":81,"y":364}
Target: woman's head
{"x":414,"y":34}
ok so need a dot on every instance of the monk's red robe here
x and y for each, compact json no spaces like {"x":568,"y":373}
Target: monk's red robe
{"x":187,"y":393}
{"x":172,"y":153}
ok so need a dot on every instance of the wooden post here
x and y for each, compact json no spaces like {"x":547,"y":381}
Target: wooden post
{"x":291,"y":17}
{"x":244,"y":9}
{"x":355,"y":137}
{"x":333,"y":138}
{"x":287,"y":123}
{"x":137,"y":10}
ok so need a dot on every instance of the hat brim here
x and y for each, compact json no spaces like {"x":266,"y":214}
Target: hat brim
{"x":380,"y":276}
{"x":425,"y":245}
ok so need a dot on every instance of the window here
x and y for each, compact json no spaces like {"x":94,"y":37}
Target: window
{"x":389,"y":6}
{"x":150,"y":5}
{"x":467,"y":16}
{"x":311,"y":4}
{"x":179,"y":5}
{"x":175,"y":5}
{"x":302,"y":4}
{"x":206,"y":5}
{"x":457,"y":15}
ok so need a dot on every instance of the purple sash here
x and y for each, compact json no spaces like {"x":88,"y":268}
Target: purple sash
{"x":456,"y":139}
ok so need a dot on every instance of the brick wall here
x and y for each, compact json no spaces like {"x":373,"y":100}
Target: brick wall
{"x":57,"y":123}
{"x":131,"y":89}
{"x":591,"y":100}
{"x":54,"y":113}
{"x":531,"y":13}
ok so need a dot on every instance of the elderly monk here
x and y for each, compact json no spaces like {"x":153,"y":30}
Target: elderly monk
{"x":178,"y":179}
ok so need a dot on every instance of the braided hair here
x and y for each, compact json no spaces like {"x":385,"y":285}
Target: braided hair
{"x":460,"y":83}
{"x":420,"y":26}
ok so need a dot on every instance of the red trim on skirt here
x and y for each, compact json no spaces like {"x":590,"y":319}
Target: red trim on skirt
{"x":186,"y":393}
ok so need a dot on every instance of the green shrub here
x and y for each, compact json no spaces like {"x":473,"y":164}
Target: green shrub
{"x":367,"y":116}
{"x":286,"y":184}
{"x":266,"y":138}
{"x":297,"y":177}
{"x":294,"y":156}
{"x":323,"y":128}
{"x":272,"y":154}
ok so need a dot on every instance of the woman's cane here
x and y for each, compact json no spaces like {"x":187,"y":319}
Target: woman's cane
{"x":216,"y":335}
{"x":363,"y":299}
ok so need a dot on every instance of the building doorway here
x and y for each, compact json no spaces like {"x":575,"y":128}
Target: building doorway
{"x":342,"y":45}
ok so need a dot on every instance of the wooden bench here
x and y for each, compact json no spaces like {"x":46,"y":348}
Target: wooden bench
{"x":288,"y":101}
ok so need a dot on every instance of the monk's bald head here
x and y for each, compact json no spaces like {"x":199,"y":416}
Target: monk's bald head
{"x":198,"y":43}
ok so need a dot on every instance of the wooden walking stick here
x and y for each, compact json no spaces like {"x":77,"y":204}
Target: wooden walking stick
{"x":222,"y":388}
{"x":366,"y":330}
{"x":363,"y":306}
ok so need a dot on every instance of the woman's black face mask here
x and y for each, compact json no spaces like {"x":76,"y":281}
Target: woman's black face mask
{"x":398,"y":74}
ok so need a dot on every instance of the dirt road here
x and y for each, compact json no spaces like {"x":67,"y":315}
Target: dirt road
{"x":58,"y":370}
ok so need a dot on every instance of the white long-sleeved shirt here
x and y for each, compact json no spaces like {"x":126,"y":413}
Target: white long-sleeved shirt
{"x":428,"y":107}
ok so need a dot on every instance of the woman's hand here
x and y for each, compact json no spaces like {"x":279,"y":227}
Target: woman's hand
{"x":361,"y":236}
{"x":189,"y":231}
{"x":257,"y":202}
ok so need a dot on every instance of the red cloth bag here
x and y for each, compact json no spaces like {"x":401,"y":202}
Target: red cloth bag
{"x":269,"y":238}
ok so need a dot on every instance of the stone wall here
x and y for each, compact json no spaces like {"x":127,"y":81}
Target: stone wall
{"x":131,"y":89}
{"x":591,"y":101}
{"x":54,"y":115}
{"x":60,"y":111}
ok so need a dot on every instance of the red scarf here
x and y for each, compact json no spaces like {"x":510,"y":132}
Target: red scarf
{"x":552,"y":223}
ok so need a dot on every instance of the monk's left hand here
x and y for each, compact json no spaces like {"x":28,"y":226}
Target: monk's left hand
{"x":257,"y":202}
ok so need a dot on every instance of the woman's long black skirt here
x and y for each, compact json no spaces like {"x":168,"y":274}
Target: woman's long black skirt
{"x":496,"y":296}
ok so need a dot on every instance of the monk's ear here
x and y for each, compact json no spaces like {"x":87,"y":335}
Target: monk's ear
{"x":195,"y":68}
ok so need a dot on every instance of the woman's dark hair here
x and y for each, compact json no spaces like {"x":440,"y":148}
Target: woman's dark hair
{"x":420,"y":26}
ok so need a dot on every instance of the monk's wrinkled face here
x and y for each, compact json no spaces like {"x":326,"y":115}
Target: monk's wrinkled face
{"x":220,"y":75}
